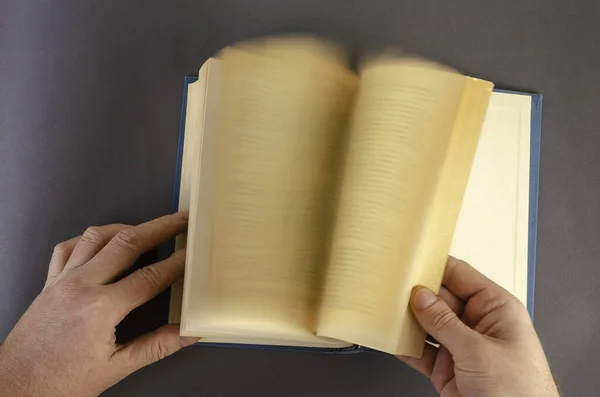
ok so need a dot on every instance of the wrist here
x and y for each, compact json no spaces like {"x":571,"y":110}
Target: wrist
{"x":13,"y":382}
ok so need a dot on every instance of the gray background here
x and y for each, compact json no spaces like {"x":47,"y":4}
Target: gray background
{"x":90,"y":95}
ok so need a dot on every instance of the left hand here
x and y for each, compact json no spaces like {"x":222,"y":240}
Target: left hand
{"x":64,"y":345}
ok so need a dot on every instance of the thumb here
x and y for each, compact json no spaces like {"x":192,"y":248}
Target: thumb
{"x":439,"y":321}
{"x":150,"y":348}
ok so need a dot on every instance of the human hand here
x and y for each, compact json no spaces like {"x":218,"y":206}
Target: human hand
{"x":64,"y":345}
{"x":488,"y":346}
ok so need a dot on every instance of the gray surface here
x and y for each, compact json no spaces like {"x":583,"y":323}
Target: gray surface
{"x":89,"y":110}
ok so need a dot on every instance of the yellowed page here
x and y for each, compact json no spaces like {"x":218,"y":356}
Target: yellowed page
{"x":437,"y":231}
{"x":254,"y":270}
{"x":199,"y":232}
{"x":192,"y":143}
{"x":402,"y":129}
{"x":493,"y":230}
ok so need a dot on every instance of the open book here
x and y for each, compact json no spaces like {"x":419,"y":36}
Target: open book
{"x":319,"y":198}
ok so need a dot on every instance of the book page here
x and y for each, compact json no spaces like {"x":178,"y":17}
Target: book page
{"x":255,"y":268}
{"x":192,"y":148}
{"x":436,"y":233}
{"x":495,"y":211}
{"x":396,"y":171}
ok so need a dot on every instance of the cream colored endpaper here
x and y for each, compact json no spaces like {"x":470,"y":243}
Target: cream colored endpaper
{"x":492,"y":233}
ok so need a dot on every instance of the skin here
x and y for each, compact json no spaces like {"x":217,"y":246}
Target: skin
{"x":64,"y":345}
{"x":488,"y":346}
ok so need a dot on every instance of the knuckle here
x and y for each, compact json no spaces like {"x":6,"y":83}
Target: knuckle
{"x":127,"y":240}
{"x":491,"y":301}
{"x":455,"y":261}
{"x":70,"y":284}
{"x":60,"y":247}
{"x":157,"y":351}
{"x":101,"y":302}
{"x":96,"y":306}
{"x":443,"y":319}
{"x":500,"y":303}
{"x":513,"y":304}
{"x":68,"y":289}
{"x":179,"y":257}
{"x":92,"y":235}
{"x":150,"y":275}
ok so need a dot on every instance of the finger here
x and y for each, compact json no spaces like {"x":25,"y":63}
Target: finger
{"x":61,"y":254}
{"x":450,"y":389}
{"x":497,"y":315}
{"x":128,"y":244}
{"x":464,"y":281}
{"x":487,"y":304}
{"x":91,"y":242}
{"x":425,"y":363}
{"x":145,"y":283}
{"x":454,"y":302}
{"x":443,"y":369}
{"x":439,"y":321}
{"x":150,"y":348}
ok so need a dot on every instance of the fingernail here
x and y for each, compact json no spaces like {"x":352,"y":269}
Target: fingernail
{"x":422,"y":298}
{"x":186,"y":341}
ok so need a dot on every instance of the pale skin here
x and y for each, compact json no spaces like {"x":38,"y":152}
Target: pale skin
{"x":64,"y":345}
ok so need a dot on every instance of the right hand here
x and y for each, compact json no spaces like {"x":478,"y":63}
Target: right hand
{"x":488,"y":346}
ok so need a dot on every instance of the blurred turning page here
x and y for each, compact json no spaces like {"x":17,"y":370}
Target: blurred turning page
{"x":412,"y":140}
{"x":260,"y":223}
{"x":319,"y":198}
